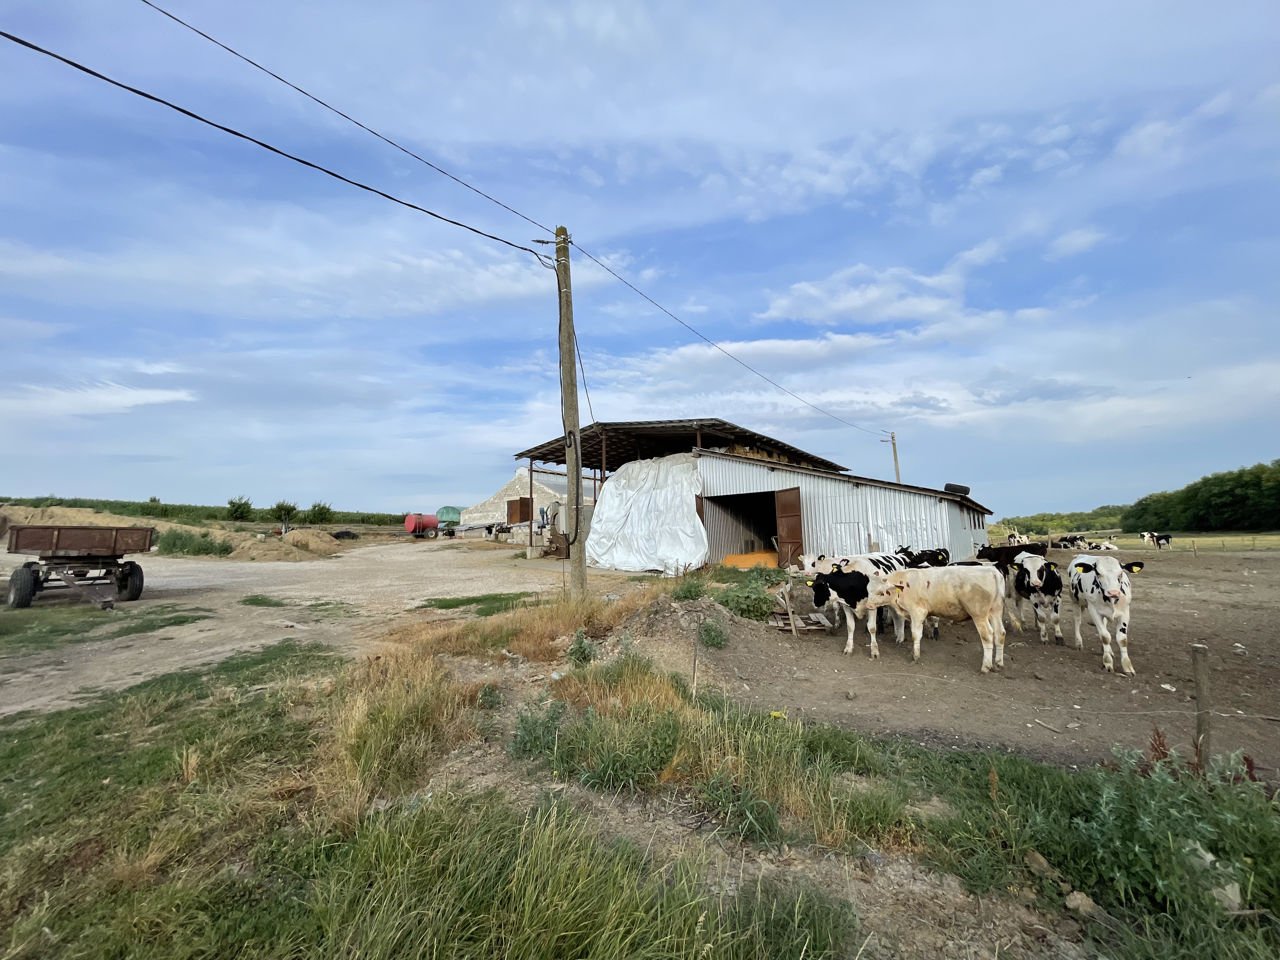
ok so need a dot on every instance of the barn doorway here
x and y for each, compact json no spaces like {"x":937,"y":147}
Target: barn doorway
{"x":746,"y":523}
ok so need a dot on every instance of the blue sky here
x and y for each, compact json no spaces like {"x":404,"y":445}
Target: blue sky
{"x":1038,"y":242}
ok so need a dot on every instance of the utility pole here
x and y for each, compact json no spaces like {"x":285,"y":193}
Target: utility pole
{"x":569,"y":412}
{"x":893,"y":439}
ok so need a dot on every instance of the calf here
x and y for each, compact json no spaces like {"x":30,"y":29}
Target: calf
{"x":956,"y":593}
{"x":1100,"y":585}
{"x":1107,"y":545}
{"x":1147,"y":536}
{"x":1163,"y":540}
{"x":847,"y":589}
{"x":1036,"y":579}
{"x":928,"y":558}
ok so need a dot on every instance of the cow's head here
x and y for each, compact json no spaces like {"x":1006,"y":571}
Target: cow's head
{"x":821,"y":590}
{"x":885,"y":591}
{"x":1035,"y":565}
{"x":1109,"y":573}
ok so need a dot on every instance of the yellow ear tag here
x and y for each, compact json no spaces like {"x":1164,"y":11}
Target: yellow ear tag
{"x":809,"y":583}
{"x":1079,"y":569}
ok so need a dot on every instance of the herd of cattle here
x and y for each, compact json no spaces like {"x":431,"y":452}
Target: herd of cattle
{"x":926,"y":585}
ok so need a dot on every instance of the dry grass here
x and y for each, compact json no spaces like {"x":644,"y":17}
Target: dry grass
{"x":535,"y":631}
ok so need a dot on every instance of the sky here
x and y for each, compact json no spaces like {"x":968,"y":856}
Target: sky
{"x":1038,"y":242}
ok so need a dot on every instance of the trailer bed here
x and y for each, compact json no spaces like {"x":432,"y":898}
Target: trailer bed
{"x":69,"y":542}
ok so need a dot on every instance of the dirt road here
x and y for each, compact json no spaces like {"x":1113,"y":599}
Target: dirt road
{"x":347,"y":601}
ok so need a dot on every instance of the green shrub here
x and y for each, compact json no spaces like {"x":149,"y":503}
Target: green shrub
{"x":712,"y":634}
{"x":537,"y":728}
{"x":186,"y":542}
{"x":689,"y":588}
{"x":489,"y":697}
{"x":747,"y":599}
{"x":283,"y":511}
{"x":240,"y":509}
{"x":582,"y":651}
{"x":320,"y":512}
{"x":749,"y":815}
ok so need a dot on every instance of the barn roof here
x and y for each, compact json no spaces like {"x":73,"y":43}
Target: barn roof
{"x":617,"y":442}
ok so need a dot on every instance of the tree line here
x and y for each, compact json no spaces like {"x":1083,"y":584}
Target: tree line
{"x":239,"y":509}
{"x":1244,"y":499}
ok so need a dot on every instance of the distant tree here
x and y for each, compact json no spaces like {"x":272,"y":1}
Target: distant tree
{"x":1244,"y":499}
{"x":240,"y":508}
{"x":320,"y":512}
{"x":283,"y":511}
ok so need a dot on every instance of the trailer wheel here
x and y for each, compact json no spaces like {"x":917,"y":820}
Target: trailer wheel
{"x":22,"y":588}
{"x":129,"y":581}
{"x":35,"y":570}
{"x":431,"y":533}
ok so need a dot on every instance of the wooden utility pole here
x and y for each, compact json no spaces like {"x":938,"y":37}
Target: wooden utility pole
{"x":569,"y":410}
{"x":893,"y":440}
{"x":1204,"y":710}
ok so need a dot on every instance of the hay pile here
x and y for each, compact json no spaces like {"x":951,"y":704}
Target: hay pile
{"x":272,"y":548}
{"x":313,"y":541}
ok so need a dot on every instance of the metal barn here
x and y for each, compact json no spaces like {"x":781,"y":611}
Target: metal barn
{"x":758,"y":493}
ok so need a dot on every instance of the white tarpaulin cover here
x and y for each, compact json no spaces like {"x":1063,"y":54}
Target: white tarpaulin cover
{"x":646,"y":518}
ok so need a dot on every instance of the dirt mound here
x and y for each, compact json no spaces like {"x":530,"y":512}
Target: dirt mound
{"x":313,"y":541}
{"x":11,"y":514}
{"x":272,"y":548}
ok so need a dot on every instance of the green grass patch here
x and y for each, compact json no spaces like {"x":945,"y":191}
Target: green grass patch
{"x":46,"y":627}
{"x":155,"y":619}
{"x":262,"y":600}
{"x":186,"y":543}
{"x":474,"y":874}
{"x":485,"y":604}
{"x":332,"y":609}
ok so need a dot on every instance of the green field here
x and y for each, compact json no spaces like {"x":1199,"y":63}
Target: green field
{"x":196,"y":513}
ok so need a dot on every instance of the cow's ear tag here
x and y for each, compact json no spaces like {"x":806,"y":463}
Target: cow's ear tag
{"x":1079,"y":568}
{"x":1135,"y":566}
{"x":809,"y":583}
{"x":899,"y":587}
{"x":1051,"y":565}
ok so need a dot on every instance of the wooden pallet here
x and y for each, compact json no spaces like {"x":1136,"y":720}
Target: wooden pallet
{"x":809,"y":621}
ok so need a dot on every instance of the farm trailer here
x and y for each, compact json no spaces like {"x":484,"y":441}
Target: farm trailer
{"x":80,"y":558}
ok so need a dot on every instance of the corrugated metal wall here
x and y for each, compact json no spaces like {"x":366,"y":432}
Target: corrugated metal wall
{"x":840,"y":516}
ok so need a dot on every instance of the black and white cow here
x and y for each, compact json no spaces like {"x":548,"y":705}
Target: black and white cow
{"x":1163,"y":540}
{"x":1100,"y":585}
{"x":847,"y":589}
{"x":1036,"y":579}
{"x":926,"y":558}
{"x":1147,"y":536}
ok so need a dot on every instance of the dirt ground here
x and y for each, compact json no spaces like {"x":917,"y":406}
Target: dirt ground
{"x":1052,"y":702}
{"x":348,"y":601}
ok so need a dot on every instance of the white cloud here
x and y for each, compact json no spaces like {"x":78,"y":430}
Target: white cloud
{"x":90,"y":399}
{"x":986,"y":176}
{"x":1074,"y":242}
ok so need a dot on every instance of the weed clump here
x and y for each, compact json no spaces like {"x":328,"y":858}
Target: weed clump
{"x":176,"y":542}
{"x":689,"y":588}
{"x":712,"y":634}
{"x":537,"y":729}
{"x":582,"y":651}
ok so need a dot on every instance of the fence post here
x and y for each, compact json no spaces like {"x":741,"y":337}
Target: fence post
{"x":1200,"y":669}
{"x":1194,"y":551}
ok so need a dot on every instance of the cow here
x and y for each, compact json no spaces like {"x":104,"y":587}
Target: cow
{"x":1037,"y":579}
{"x":1100,"y":585}
{"x":927,"y":558}
{"x":847,"y":589}
{"x":1016,"y":539}
{"x":1071,"y":540}
{"x":1147,"y":536}
{"x":955,"y":593}
{"x":1164,"y":540}
{"x":1107,"y":545}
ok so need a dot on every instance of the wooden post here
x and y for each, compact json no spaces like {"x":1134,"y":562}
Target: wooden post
{"x":569,"y":410}
{"x":695,"y":665}
{"x":1200,"y":668}
{"x":531,"y":504}
{"x":1194,"y":551}
{"x":604,"y":455}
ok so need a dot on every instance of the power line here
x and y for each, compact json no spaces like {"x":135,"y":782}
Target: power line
{"x":704,"y":337}
{"x":266,"y":146}
{"x":510,"y":209}
{"x":330,"y":107}
{"x":583,"y":368}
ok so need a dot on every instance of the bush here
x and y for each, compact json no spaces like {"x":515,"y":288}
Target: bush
{"x":689,"y":588}
{"x":749,"y":815}
{"x":537,"y":729}
{"x":712,"y":634}
{"x":747,"y":599}
{"x":186,"y":542}
{"x":240,"y":508}
{"x":283,"y":511}
{"x":320,"y":512}
{"x":489,"y":697}
{"x":582,"y":651}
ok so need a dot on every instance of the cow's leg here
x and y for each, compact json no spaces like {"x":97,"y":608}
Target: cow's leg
{"x":899,"y":624}
{"x":1100,"y":622}
{"x":917,"y":631}
{"x":851,"y":625}
{"x":1057,"y":625}
{"x":1122,"y":638}
{"x":873,"y":616}
{"x":1080,"y":611}
{"x":986,"y":633}
{"x":1039,"y":606}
